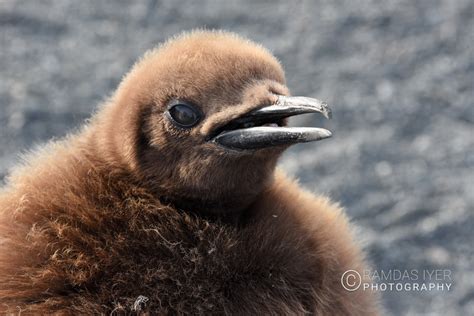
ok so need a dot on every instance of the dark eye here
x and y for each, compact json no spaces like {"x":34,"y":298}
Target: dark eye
{"x":183,"y":114}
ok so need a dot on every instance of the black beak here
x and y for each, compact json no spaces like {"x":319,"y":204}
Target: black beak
{"x":263,"y":128}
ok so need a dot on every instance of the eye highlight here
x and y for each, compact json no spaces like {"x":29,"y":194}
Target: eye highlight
{"x":183,"y":114}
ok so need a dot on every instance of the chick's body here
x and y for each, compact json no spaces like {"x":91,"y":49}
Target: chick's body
{"x":135,"y":215}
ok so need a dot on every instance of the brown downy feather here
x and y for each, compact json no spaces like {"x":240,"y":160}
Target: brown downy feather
{"x":110,"y":220}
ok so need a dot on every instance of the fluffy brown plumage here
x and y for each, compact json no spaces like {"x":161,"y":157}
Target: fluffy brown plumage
{"x":132,"y":206}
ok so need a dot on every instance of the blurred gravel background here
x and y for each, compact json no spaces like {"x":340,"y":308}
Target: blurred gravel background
{"x":398,"y":74}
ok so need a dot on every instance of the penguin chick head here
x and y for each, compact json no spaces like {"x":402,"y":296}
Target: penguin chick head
{"x":201,"y":120}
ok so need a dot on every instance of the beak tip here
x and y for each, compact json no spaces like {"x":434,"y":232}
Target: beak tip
{"x":324,"y":133}
{"x":326,"y":110}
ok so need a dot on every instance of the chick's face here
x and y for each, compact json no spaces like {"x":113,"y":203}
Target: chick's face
{"x":209,"y":114}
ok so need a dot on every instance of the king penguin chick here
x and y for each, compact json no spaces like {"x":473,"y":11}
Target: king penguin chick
{"x":169,"y":202}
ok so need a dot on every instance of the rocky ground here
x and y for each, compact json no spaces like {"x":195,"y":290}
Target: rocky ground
{"x":398,"y":74}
